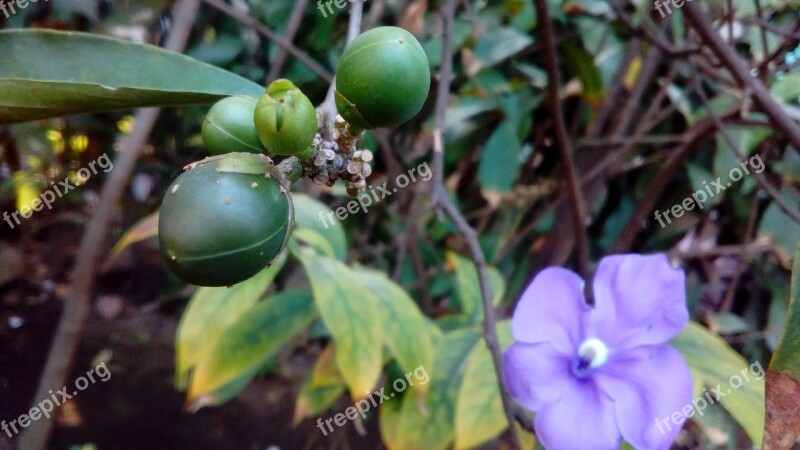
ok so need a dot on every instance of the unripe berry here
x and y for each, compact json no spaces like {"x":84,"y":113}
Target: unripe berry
{"x":228,"y":126}
{"x":285,"y":120}
{"x":382,"y":79}
{"x":217,"y":228}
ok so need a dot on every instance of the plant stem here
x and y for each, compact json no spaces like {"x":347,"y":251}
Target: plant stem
{"x":77,"y":303}
{"x":444,"y":204}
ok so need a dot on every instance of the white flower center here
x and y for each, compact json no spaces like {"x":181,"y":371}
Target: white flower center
{"x":592,"y":353}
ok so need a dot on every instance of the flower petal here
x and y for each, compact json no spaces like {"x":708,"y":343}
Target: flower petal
{"x":582,"y":420}
{"x":552,"y":309}
{"x":649,"y":385}
{"x":639,"y":300}
{"x":536,"y":374}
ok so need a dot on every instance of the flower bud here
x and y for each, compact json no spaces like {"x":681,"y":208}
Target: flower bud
{"x":285,"y":119}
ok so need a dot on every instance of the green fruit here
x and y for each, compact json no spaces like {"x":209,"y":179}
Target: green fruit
{"x":382,"y":79}
{"x":228,"y":126}
{"x":217,"y":228}
{"x":285,"y":119}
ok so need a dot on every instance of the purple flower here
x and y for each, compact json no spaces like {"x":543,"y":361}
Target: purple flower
{"x":597,"y":375}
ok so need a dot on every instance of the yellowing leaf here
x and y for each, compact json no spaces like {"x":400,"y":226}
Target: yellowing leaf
{"x":406,"y":330}
{"x":145,"y":228}
{"x":244,"y":347}
{"x":349,"y":310}
{"x":712,"y":362}
{"x":479,"y":410}
{"x":321,"y":388}
{"x":210,"y":311}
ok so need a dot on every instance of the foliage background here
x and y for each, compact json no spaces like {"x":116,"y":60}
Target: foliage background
{"x":640,"y":101}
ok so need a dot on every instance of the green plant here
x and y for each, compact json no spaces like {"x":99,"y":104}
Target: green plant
{"x":382,"y":79}
{"x":228,"y":126}
{"x":223,"y":220}
{"x":285,"y":120}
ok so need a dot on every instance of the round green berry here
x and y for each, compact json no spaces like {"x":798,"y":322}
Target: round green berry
{"x":382,"y":79}
{"x":228,"y":126}
{"x":217,"y":228}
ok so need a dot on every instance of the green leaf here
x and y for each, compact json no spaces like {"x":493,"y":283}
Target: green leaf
{"x":406,"y":425}
{"x":315,"y":240}
{"x":783,"y":376}
{"x":787,"y":354}
{"x":499,"y":44}
{"x":499,"y":165}
{"x":350,"y":311}
{"x":312,"y":214}
{"x":713,"y":362}
{"x":235,"y":358}
{"x":210,"y":312}
{"x":76,"y":72}
{"x":405,"y":329}
{"x":479,"y":410}
{"x":787,"y":88}
{"x":580,"y":64}
{"x":781,"y":229}
{"x":469,"y":291}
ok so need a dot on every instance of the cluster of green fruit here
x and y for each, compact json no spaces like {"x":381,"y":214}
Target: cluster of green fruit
{"x":227,"y":217}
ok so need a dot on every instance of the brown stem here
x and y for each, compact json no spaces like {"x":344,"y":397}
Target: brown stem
{"x":445,"y":205}
{"x":77,"y":302}
{"x":738,"y":68}
{"x":272,"y":36}
{"x":562,"y":140}
{"x":292,"y":26}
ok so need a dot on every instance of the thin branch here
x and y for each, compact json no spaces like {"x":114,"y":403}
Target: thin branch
{"x":78,"y":301}
{"x":727,"y":301}
{"x":760,"y":178}
{"x":738,"y":68}
{"x":444,"y":204}
{"x":695,"y":136}
{"x":327,"y":110}
{"x":292,"y":26}
{"x":765,"y":26}
{"x":562,"y":140}
{"x":751,"y":250}
{"x":265,"y":31}
{"x":656,"y":40}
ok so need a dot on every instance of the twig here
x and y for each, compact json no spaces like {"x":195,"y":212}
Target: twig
{"x":562,"y":140}
{"x":273,"y":36}
{"x":760,"y":178}
{"x":444,"y":204}
{"x":696,"y":134}
{"x":642,"y":32}
{"x":77,"y":302}
{"x":727,"y":301}
{"x":741,"y":73}
{"x":765,"y":26}
{"x":295,"y":19}
{"x":751,"y":250}
{"x":327,"y":110}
